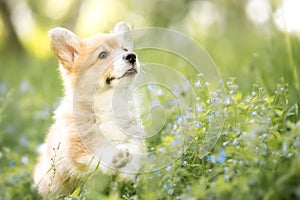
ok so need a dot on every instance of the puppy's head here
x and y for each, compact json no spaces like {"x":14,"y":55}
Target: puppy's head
{"x":101,"y":60}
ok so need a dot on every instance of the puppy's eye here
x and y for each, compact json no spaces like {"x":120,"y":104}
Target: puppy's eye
{"x":125,"y":49}
{"x":102,"y":55}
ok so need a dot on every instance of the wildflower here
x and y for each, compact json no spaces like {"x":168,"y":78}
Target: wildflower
{"x":197,"y":84}
{"x":152,"y":149}
{"x":226,"y":177}
{"x":24,"y":87}
{"x":167,"y":186}
{"x":216,"y":100}
{"x":23,"y":141}
{"x":235,"y":142}
{"x":198,"y":99}
{"x":170,"y":192}
{"x":185,"y":163}
{"x":169,"y":168}
{"x":159,"y":92}
{"x":194,"y":148}
{"x":175,"y":102}
{"x":176,"y":142}
{"x":206,"y":84}
{"x":2,"y":88}
{"x":222,"y":156}
{"x":198,"y":125}
{"x":179,"y":119}
{"x":253,"y":94}
{"x":281,"y":89}
{"x":11,"y":163}
{"x":261,"y":89}
{"x":225,"y":144}
{"x":253,"y":113}
{"x":24,"y":160}
{"x":199,"y":108}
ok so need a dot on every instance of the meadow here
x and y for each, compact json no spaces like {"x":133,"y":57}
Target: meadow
{"x":257,"y":151}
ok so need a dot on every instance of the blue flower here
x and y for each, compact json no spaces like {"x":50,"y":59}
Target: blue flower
{"x":169,"y":168}
{"x":281,"y":89}
{"x":176,"y":142}
{"x":167,"y":186}
{"x":197,"y":84}
{"x":235,"y":142}
{"x":11,"y":163}
{"x":23,"y":141}
{"x":222,"y":156}
{"x":185,"y":163}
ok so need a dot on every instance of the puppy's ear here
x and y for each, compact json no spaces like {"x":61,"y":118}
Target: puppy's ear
{"x":65,"y":45}
{"x":123,"y":30}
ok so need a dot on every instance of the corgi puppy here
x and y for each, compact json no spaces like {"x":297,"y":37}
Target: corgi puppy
{"x":97,"y":124}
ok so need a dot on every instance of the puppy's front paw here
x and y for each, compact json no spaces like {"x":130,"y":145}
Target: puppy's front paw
{"x":121,"y":158}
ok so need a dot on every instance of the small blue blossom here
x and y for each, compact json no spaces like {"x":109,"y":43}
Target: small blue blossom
{"x":24,"y":86}
{"x":216,"y":100}
{"x":24,"y":160}
{"x":194,"y":148}
{"x":2,"y":88}
{"x":170,"y":192}
{"x":208,"y":158}
{"x":185,"y":163}
{"x":155,"y":103}
{"x":197,"y":84}
{"x":226,"y":177}
{"x":198,"y":99}
{"x":167,"y":186}
{"x":235,"y":142}
{"x":189,"y":188}
{"x":261,"y":89}
{"x":222,"y":156}
{"x":253,"y":94}
{"x":199,"y":108}
{"x":198,"y":125}
{"x":175,"y":102}
{"x":253,"y":113}
{"x":11,"y":163}
{"x":206,"y":84}
{"x":169,"y":168}
{"x":159,"y":92}
{"x":175,"y":127}
{"x":225,"y":144}
{"x":281,"y":89}
{"x":179,"y":119}
{"x":176,"y":142}
{"x":23,"y":141}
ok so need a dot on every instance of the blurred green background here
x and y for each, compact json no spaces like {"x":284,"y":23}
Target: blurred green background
{"x":257,"y":41}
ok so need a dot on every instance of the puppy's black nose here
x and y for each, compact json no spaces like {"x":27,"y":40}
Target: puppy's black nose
{"x":131,"y":57}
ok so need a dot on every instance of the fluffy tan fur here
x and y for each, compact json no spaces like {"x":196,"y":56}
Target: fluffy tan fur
{"x":85,"y":131}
